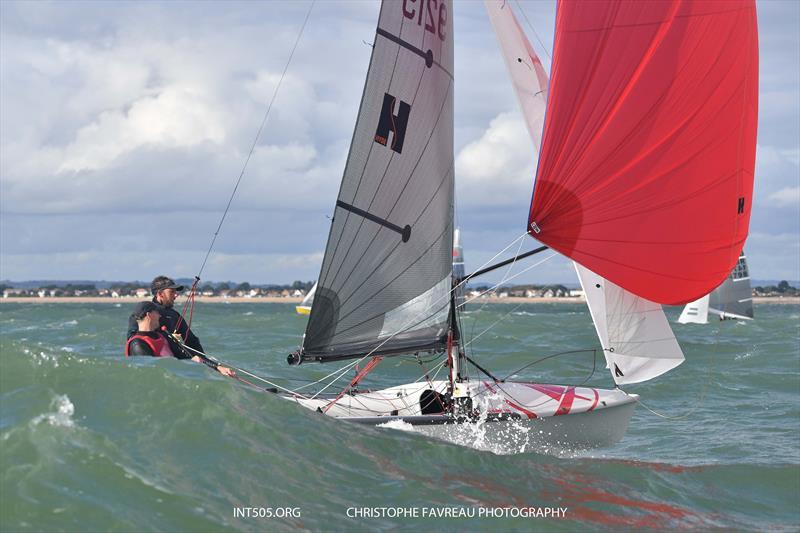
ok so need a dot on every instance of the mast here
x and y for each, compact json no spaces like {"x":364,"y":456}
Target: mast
{"x":459,"y":392}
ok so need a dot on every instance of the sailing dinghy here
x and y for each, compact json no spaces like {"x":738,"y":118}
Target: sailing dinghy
{"x":733,"y":300}
{"x":651,"y":113}
{"x":305,"y":306}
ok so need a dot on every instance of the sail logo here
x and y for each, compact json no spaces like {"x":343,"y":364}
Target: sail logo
{"x":436,"y":19}
{"x":391,"y":123}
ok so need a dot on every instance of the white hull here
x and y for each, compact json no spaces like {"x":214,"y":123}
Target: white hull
{"x":507,"y":418}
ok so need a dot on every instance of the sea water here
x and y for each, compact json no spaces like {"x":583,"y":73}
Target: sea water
{"x":90,"y":440}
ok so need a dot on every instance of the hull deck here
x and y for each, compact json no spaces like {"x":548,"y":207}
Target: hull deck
{"x":509,"y":417}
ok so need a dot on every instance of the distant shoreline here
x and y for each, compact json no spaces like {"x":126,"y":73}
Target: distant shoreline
{"x":790,"y":300}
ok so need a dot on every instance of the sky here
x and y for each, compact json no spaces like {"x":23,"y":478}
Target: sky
{"x":124,"y":127}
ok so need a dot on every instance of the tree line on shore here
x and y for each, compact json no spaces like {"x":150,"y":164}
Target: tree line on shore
{"x":300,"y":288}
{"x":142,"y":290}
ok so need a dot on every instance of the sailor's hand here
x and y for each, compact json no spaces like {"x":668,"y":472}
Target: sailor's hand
{"x":197,"y":359}
{"x":225,"y":371}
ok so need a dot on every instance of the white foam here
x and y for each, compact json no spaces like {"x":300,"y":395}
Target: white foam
{"x":64,"y":409}
{"x":398,"y":424}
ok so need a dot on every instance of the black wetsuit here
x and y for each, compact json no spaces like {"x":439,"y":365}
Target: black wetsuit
{"x":169,"y":319}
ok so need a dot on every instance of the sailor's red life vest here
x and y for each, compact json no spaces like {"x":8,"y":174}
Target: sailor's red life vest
{"x":158,"y":344}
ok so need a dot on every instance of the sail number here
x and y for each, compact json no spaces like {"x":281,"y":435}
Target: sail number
{"x":436,"y":19}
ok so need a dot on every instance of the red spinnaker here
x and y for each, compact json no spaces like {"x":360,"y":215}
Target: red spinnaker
{"x":646,"y":170}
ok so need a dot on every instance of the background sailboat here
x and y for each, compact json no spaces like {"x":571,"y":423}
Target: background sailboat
{"x":305,"y":306}
{"x":731,"y":300}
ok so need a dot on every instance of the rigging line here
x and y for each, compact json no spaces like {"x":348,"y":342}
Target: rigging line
{"x":243,"y":371}
{"x":508,"y":271}
{"x":495,"y":256}
{"x":551,"y":356}
{"x":258,"y":135}
{"x":411,"y":323}
{"x":506,"y":315}
{"x":437,"y":310}
{"x":509,"y":279}
{"x":528,"y":22}
{"x":435,"y":368}
{"x":704,"y":391}
{"x":345,"y":368}
{"x":544,"y":401}
{"x":337,"y":378}
{"x":354,"y":382}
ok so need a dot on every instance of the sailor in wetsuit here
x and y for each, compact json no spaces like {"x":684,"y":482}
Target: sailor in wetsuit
{"x":150,"y":339}
{"x":165,"y":291}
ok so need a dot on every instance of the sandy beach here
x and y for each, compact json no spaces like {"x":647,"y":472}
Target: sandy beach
{"x":790,"y":300}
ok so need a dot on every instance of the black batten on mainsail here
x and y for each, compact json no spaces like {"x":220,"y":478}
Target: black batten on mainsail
{"x":386,"y":277}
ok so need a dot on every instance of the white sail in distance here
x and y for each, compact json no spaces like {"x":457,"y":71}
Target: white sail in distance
{"x":731,"y":300}
{"x":695,"y":312}
{"x":635,"y":335}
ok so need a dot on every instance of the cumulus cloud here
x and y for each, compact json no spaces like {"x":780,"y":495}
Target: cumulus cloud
{"x":128,"y":123}
{"x":89,"y":120}
{"x":786,"y":197}
{"x":176,"y":117}
{"x":497,"y":168}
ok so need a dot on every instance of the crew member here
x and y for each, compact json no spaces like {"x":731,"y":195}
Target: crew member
{"x":165,"y":291}
{"x":150,"y":339}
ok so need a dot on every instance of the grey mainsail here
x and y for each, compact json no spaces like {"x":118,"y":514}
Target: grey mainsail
{"x":734,"y":298}
{"x":386,"y":275}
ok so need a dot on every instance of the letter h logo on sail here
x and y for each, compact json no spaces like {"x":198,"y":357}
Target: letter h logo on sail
{"x":389,"y":122}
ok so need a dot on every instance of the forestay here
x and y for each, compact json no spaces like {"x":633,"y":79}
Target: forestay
{"x":386,"y":275}
{"x":651,"y":118}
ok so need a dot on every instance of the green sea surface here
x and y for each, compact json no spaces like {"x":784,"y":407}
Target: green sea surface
{"x":92,"y":441}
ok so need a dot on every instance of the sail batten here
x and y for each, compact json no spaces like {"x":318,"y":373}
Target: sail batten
{"x":389,"y":250}
{"x":652,"y":114}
